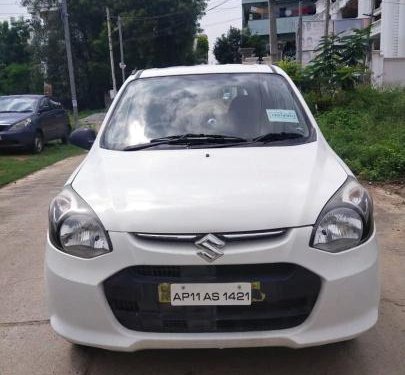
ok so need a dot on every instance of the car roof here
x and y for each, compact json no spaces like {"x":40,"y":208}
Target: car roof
{"x":206,"y":69}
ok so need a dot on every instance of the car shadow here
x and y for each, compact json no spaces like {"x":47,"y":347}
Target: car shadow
{"x":328,"y":359}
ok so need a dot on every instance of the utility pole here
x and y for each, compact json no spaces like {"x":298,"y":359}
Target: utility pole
{"x":273,"y":31}
{"x":327,"y":16}
{"x":368,"y":59}
{"x":65,"y":19}
{"x":299,"y":33}
{"x":122,"y":64}
{"x":110,"y":46}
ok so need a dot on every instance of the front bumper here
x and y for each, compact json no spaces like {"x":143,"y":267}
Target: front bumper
{"x":347,"y":304}
{"x":16,"y":139}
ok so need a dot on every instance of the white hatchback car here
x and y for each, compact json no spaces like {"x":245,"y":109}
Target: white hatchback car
{"x":210,"y":212}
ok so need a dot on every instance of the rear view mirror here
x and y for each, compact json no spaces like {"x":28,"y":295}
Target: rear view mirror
{"x":83,"y":137}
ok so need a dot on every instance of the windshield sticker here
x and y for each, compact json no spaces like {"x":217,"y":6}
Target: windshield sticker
{"x":282,"y":115}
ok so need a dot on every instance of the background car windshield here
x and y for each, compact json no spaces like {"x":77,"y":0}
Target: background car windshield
{"x":242,"y":105}
{"x":17,"y":104}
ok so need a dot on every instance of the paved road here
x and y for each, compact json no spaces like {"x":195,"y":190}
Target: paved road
{"x":93,"y":120}
{"x":29,"y":346}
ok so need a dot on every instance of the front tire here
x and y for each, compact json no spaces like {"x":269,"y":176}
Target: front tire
{"x":38,"y":143}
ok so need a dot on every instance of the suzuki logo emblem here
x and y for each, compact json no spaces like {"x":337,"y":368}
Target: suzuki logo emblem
{"x":210,"y":248}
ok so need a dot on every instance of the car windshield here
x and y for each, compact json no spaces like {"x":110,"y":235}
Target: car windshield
{"x":17,"y":104}
{"x":246,"y":106}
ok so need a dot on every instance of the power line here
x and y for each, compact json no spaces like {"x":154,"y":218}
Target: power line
{"x":167,"y":15}
{"x":216,"y":6}
{"x":159,"y":16}
{"x":220,"y":10}
{"x":220,"y":23}
{"x":136,"y":18}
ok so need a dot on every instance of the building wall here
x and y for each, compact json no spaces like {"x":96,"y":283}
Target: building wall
{"x":393,"y":29}
{"x":392,"y":22}
{"x":387,"y":71}
{"x":365,"y":7}
{"x":286,"y":13}
{"x":388,"y":63}
{"x":377,"y":68}
{"x":394,"y":72}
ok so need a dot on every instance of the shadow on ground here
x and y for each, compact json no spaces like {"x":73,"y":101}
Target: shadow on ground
{"x":340,"y":358}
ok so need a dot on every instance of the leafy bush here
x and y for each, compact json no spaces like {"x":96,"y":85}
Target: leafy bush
{"x":366,"y":127}
{"x":201,"y":50}
{"x":340,"y":62}
{"x":292,"y":68}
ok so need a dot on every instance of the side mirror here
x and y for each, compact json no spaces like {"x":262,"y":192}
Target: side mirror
{"x":83,"y":137}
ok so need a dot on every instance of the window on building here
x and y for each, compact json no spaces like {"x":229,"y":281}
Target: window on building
{"x":292,"y":10}
{"x":260,"y":10}
{"x":351,"y":10}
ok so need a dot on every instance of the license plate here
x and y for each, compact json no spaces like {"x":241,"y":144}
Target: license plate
{"x":213,"y":294}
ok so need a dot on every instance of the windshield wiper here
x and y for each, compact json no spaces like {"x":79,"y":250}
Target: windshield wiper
{"x":199,"y":137}
{"x":189,"y":139}
{"x":274,"y":137}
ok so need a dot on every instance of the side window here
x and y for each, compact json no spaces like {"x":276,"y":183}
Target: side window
{"x":55,"y":105}
{"x":45,"y":104}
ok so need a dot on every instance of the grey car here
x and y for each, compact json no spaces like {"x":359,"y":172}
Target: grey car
{"x":29,"y":121}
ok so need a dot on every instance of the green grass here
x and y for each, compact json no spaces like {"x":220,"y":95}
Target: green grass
{"x":366,"y":128}
{"x":17,"y":165}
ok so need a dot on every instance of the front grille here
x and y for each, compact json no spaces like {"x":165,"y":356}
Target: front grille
{"x":228,"y":236}
{"x":4,"y":128}
{"x":291,"y":292}
{"x":7,"y":142}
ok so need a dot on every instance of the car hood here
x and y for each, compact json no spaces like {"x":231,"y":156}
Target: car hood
{"x":12,"y":118}
{"x":209,"y":190}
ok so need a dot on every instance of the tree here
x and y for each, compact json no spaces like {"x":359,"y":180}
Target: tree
{"x":156,"y":34}
{"x":201,"y":49}
{"x":14,"y":42}
{"x":226,"y":48}
{"x":356,"y":47}
{"x":16,"y":72}
{"x":340,"y":62}
{"x":249,"y":40}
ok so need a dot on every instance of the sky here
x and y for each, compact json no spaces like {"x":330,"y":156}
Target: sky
{"x":220,"y":15}
{"x":11,"y":8}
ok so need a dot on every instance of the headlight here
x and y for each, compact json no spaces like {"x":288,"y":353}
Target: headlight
{"x":74,"y":227}
{"x":21,"y":124}
{"x":346,"y":221}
